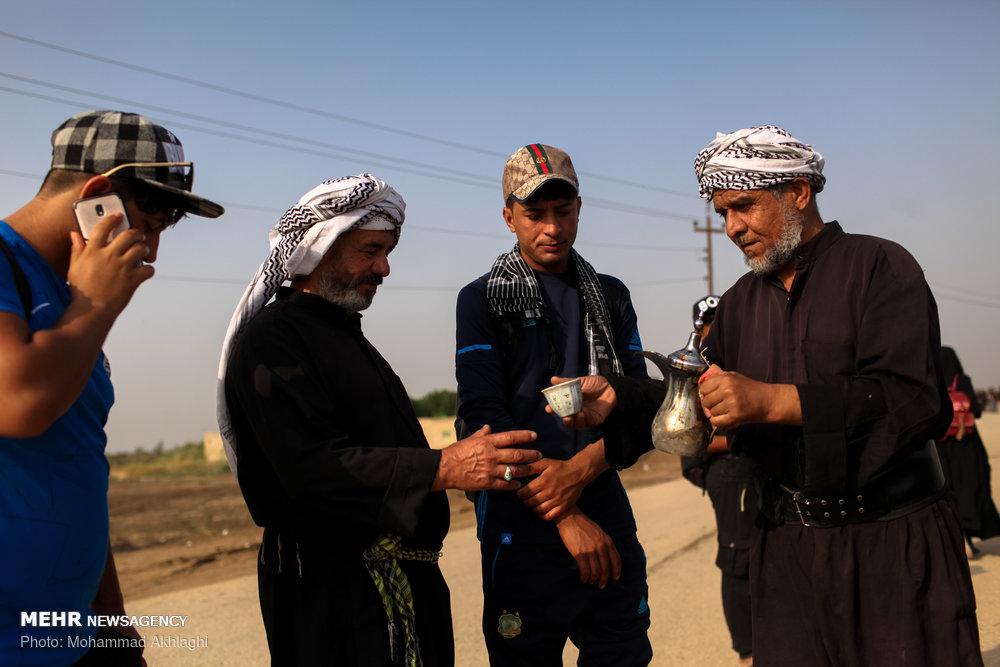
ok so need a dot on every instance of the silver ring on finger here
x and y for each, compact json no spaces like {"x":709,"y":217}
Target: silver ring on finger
{"x":508,"y":474}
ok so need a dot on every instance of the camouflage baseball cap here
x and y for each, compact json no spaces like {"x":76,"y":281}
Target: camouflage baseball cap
{"x":532,"y":166}
{"x":130,"y":146}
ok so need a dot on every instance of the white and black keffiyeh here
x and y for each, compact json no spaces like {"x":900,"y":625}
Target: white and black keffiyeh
{"x":303,"y":234}
{"x":512,"y":289}
{"x":754,"y":159}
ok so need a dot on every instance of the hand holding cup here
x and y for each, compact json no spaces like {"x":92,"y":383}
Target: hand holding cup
{"x":565,"y":398}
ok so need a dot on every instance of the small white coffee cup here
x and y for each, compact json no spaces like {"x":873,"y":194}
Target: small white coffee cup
{"x":565,"y":398}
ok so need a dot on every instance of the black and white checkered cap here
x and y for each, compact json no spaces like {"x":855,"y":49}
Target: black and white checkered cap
{"x":98,"y":141}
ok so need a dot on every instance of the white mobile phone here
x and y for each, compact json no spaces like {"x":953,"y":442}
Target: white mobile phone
{"x":92,"y":210}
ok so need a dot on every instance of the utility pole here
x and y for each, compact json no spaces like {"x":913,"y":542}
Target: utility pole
{"x":708,"y":229}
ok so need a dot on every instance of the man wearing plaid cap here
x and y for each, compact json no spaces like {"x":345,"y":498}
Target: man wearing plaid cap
{"x":59,"y":297}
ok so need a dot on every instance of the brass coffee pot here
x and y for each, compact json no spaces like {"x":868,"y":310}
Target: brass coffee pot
{"x":680,"y":426}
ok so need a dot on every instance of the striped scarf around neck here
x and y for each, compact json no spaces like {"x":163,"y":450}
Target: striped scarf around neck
{"x":512,"y":289}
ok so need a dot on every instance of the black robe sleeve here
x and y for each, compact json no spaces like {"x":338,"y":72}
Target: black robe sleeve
{"x":892,"y":401}
{"x":627,"y":431}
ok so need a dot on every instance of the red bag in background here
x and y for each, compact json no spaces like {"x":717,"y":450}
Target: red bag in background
{"x":962,"y":419}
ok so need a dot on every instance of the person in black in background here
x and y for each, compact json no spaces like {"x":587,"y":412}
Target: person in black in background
{"x":828,"y":375}
{"x":329,"y":455}
{"x":966,"y":463}
{"x":560,"y":557}
{"x":730,"y":481}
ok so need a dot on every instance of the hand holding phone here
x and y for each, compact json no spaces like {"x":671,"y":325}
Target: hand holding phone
{"x":92,"y":210}
{"x":104,"y":274}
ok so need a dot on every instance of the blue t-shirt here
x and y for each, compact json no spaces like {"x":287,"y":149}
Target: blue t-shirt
{"x":53,"y":491}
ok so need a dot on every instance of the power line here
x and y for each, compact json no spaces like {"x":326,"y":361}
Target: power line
{"x":200,"y":279}
{"x":968,"y":292}
{"x":397,"y":288}
{"x":505,"y":237}
{"x":253,"y":140}
{"x":442,"y":230}
{"x":317,"y":112}
{"x":244,"y":128}
{"x":250,"y":207}
{"x":464,"y":178}
{"x":235,"y":281}
{"x":20,"y":174}
{"x":673,"y":281}
{"x":423,"y":228}
{"x":669,"y":281}
{"x":634,"y":285}
{"x":971,"y":302}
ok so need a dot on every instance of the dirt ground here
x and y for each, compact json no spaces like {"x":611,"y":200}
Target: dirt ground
{"x":177,"y":533}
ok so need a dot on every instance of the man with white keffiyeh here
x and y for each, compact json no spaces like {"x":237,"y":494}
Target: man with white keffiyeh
{"x":560,"y":557}
{"x":328,"y":453}
{"x":826,"y":372}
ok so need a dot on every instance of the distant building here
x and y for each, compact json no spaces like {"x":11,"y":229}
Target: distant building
{"x":214,"y":452}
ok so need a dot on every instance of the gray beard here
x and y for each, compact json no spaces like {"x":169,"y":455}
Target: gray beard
{"x":784,"y":248}
{"x":346,"y":296}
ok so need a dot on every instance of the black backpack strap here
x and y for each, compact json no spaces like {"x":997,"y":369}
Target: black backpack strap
{"x":20,"y":278}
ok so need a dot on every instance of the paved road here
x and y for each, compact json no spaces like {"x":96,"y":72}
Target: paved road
{"x":677,"y":530}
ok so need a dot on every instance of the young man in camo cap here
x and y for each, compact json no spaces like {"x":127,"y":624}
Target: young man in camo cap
{"x":59,"y":296}
{"x":560,"y":557}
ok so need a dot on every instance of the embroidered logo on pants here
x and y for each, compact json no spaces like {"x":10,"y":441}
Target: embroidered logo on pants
{"x":510,"y":625}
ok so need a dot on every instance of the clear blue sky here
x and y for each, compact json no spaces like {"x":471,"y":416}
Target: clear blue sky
{"x":902,"y":98}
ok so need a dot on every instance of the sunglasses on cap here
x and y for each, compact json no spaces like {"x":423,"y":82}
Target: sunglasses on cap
{"x":186,"y":175}
{"x":148,"y":198}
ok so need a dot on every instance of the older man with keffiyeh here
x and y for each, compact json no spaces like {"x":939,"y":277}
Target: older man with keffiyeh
{"x":329,"y":455}
{"x":827,"y":373}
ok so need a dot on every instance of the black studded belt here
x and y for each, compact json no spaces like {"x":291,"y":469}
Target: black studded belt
{"x":913,"y":482}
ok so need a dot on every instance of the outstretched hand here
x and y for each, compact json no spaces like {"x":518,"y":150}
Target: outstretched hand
{"x":481,"y":461}
{"x":599,"y":400}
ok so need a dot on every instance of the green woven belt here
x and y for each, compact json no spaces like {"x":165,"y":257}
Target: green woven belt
{"x":382,"y":560}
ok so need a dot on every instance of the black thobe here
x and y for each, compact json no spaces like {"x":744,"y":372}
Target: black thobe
{"x":330,"y":456}
{"x":858,"y":335}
